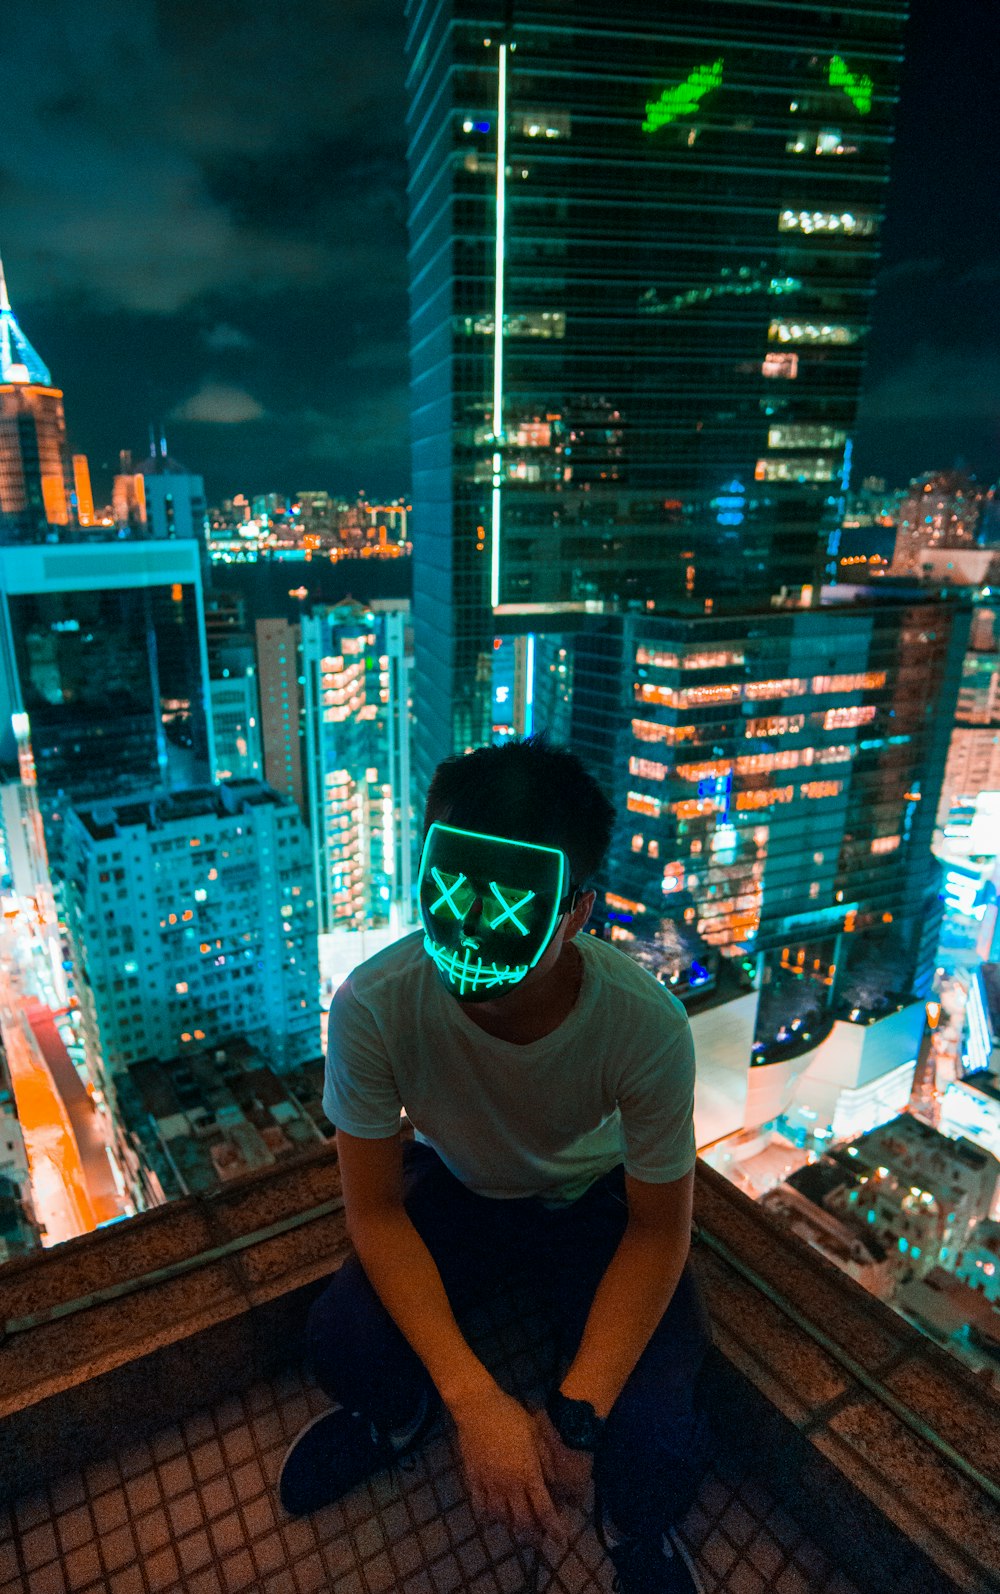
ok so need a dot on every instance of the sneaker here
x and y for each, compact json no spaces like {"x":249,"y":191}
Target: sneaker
{"x":338,"y":1450}
{"x":651,"y":1566}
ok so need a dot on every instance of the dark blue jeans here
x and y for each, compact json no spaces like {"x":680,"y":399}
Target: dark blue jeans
{"x":653,"y":1451}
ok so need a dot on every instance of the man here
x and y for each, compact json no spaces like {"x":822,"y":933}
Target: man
{"x":550,"y":1084}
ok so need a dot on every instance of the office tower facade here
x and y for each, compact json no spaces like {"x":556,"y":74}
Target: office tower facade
{"x":83,"y":491}
{"x":232,"y":670}
{"x":357,"y":740}
{"x":191,"y":918}
{"x":239,"y":751}
{"x":281,"y":708}
{"x":35,"y":480}
{"x":103,"y":669}
{"x":159,"y":498}
{"x":642,"y":248}
{"x":941,"y":511}
{"x":776,"y":777}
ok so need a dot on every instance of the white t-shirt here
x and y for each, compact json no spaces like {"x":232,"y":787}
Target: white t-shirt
{"x":614,"y":1082}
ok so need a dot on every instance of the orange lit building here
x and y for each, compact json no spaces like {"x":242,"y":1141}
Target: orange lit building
{"x":35,"y":480}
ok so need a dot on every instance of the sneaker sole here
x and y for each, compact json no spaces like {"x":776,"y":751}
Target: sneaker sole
{"x":681,"y":1549}
{"x":320,"y":1417}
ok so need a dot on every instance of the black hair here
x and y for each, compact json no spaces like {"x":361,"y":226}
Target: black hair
{"x":527,"y":790}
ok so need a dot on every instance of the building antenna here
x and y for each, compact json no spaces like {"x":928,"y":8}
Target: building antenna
{"x":4,"y":301}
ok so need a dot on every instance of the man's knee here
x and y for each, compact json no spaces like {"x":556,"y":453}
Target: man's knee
{"x":343,"y":1325}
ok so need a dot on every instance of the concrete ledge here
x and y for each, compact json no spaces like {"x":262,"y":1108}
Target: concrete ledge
{"x":860,"y":1472}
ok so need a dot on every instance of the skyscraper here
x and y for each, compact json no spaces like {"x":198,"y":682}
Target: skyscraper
{"x":35,"y":480}
{"x":103,"y":671}
{"x":642,"y":247}
{"x":281,"y":707}
{"x":357,"y":762}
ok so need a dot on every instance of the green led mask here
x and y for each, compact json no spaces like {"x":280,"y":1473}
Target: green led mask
{"x":489,"y":907}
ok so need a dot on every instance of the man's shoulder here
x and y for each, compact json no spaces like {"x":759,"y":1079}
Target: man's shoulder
{"x":385,"y":968}
{"x":615,"y":970}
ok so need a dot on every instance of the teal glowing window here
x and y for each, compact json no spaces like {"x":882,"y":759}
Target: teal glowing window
{"x":685,"y":98}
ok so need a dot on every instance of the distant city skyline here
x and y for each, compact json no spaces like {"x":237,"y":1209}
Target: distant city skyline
{"x":242,"y":280}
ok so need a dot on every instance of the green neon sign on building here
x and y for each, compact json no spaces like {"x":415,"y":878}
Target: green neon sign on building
{"x":856,"y":85}
{"x":684,"y":99}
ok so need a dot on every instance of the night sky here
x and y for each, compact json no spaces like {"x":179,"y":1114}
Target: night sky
{"x":202,"y":218}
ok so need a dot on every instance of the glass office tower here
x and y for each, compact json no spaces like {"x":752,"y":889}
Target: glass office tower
{"x":643,"y":242}
{"x":103,"y":669}
{"x":776,"y":779}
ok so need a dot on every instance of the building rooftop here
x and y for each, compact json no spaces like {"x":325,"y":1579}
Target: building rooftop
{"x":153,"y":1380}
{"x":104,"y":820}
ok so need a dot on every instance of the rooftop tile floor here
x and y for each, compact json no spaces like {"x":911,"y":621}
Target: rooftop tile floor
{"x":193,"y":1508}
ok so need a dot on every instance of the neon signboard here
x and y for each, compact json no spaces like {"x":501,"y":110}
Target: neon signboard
{"x":684,"y":98}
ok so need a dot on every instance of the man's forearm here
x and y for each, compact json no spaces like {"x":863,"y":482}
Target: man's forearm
{"x":633,"y":1295}
{"x":405,"y":1278}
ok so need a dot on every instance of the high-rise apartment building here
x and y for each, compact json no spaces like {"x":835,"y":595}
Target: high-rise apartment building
{"x":281,"y":707}
{"x":103,"y":669}
{"x":35,"y":480}
{"x":642,"y":248}
{"x":357,"y":752}
{"x":192,"y":918}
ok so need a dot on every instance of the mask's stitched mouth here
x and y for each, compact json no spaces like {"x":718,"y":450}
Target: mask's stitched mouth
{"x":469,"y":972}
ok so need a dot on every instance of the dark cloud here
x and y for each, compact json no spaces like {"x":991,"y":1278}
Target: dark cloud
{"x":219,"y":404}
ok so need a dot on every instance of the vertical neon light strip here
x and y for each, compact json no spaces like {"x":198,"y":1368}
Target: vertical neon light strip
{"x":498,"y":322}
{"x":529,"y":687}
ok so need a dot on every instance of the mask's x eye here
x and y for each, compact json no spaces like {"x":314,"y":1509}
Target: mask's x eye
{"x":509,"y":907}
{"x":449,"y":892}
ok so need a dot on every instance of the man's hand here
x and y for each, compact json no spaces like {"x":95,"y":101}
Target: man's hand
{"x":567,"y":1472}
{"x":500,"y":1448}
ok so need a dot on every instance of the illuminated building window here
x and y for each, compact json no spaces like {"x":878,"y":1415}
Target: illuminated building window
{"x":646,"y":769}
{"x":638,"y":803}
{"x":181,"y":987}
{"x":853,"y":222}
{"x":623,"y":904}
{"x":775,"y":725}
{"x":763,"y":763}
{"x":790,"y":686}
{"x":885,"y":844}
{"x":822,"y":788}
{"x":712,"y":661}
{"x":529,"y":434}
{"x":650,"y":731}
{"x":749,"y":800}
{"x":783,"y":365}
{"x":529,"y":324}
{"x":662,"y":661}
{"x":711,"y":770}
{"x":545,"y":124}
{"x":698,"y":696}
{"x":637,"y":843}
{"x":654,"y":849}
{"x":867,"y":680}
{"x":694,"y":807}
{"x":811,"y":332}
{"x":806,"y":436}
{"x":843,"y":718}
{"x":796,"y":468}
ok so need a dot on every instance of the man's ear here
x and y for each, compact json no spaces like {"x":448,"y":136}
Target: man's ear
{"x":580,"y":912}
